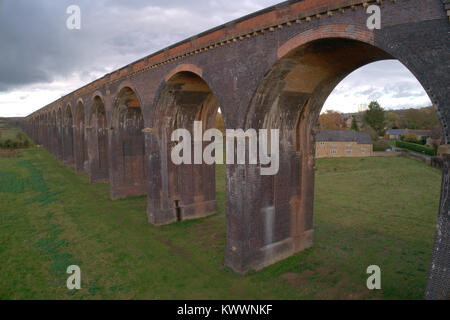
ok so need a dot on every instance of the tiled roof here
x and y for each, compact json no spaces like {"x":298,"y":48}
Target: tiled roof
{"x":396,"y":132}
{"x":423,"y":133}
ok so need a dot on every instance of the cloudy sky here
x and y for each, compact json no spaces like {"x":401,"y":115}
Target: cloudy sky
{"x":41,"y":60}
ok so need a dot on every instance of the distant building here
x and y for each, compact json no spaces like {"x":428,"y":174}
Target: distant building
{"x":419,"y":133}
{"x":395,"y":134}
{"x":348,"y":122}
{"x":345,"y":143}
{"x":348,"y":119}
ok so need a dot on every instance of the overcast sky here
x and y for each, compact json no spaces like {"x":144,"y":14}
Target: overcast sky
{"x":41,"y":60}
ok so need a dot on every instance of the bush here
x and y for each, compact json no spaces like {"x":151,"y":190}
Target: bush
{"x":416,"y":147}
{"x":19,"y":136}
{"x":7,"y":144}
{"x":380,"y":145}
{"x":423,"y":141}
{"x":410,"y":137}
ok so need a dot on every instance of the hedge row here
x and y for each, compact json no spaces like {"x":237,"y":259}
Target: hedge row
{"x":10,"y":144}
{"x":416,"y":147}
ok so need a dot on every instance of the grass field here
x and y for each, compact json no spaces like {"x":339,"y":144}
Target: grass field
{"x":367,"y":211}
{"x":8,"y":132}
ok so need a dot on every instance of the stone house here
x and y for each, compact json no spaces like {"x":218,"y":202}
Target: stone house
{"x":395,"y":134}
{"x":343,"y":143}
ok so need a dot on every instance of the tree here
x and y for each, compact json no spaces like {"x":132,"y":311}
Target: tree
{"x":331,"y":120}
{"x":374,"y":117}
{"x":373,"y":134}
{"x":410,"y":137}
{"x":420,"y":118}
{"x":355,"y":124}
{"x":392,"y":119}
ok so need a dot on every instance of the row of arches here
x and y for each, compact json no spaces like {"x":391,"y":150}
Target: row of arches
{"x":268,"y":217}
{"x":112,"y":147}
{"x":79,"y":138}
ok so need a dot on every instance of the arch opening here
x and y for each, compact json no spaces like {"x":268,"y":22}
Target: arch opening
{"x":54,"y":134}
{"x":127,"y":154}
{"x":279,"y":219}
{"x":98,"y":143}
{"x":80,"y":150}
{"x":190,"y":188}
{"x":68,"y":137}
{"x":60,"y":134}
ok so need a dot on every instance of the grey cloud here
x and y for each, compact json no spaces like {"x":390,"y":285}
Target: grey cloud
{"x":375,"y":96}
{"x":366,"y":92}
{"x":37,"y":47}
{"x":35,"y":44}
{"x":404,"y":90}
{"x":371,"y":94}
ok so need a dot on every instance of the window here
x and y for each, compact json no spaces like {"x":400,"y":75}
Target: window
{"x":322,"y":143}
{"x":363,"y":150}
{"x":333,"y":151}
{"x":349,"y":144}
{"x":333,"y":144}
{"x":348,"y":151}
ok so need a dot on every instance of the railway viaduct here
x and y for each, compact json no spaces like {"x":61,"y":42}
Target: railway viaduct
{"x":271,"y":69}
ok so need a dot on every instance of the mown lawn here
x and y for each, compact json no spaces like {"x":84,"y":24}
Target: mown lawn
{"x":367,"y":211}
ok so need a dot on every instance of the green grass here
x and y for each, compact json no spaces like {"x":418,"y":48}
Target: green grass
{"x":367,"y":211}
{"x":8,"y":132}
{"x":391,"y":143}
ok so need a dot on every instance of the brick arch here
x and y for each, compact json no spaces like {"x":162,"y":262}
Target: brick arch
{"x":96,"y":94}
{"x":329,"y":31}
{"x":363,"y":35}
{"x":185,"y":67}
{"x":97,"y":142}
{"x":80,"y":100}
{"x":125,"y":91}
{"x":96,"y":97}
{"x":130,"y":85}
{"x":183,"y":98}
{"x":127,"y":170}
{"x":67,"y":135}
{"x":54,"y":132}
{"x":67,"y":106}
{"x":289,"y":98}
{"x":246,"y":50}
{"x":80,"y":150}
{"x":59,"y":132}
